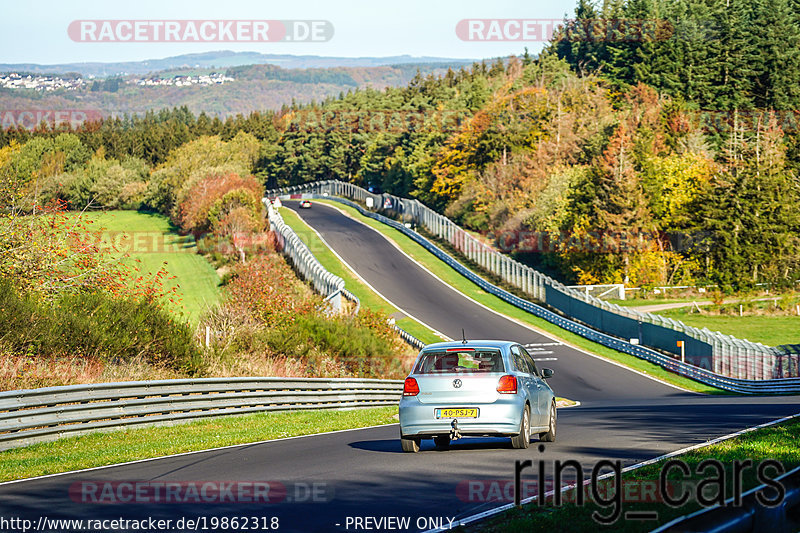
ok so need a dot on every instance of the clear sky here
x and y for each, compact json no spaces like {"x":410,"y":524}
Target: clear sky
{"x":36,"y":31}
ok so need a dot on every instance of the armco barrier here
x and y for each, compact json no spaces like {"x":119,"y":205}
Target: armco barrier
{"x":748,"y":517}
{"x":38,"y":415}
{"x":327,"y":284}
{"x":733,"y":384}
{"x":303,"y":260}
{"x":409,"y":338}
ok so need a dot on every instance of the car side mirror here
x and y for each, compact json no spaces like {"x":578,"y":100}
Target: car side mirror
{"x":547,"y":373}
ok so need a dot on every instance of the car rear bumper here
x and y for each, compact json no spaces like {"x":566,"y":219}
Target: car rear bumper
{"x":502,"y":417}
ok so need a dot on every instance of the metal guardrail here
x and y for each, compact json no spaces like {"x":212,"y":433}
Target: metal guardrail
{"x":39,"y":415}
{"x":729,"y":356}
{"x":748,"y":517}
{"x":409,"y":338}
{"x":329,"y":285}
{"x":733,"y":384}
{"x":303,"y":260}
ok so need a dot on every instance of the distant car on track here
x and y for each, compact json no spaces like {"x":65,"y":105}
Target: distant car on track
{"x":305,"y":204}
{"x":476,"y":388}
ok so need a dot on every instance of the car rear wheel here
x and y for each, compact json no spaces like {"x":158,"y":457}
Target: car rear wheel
{"x":442,"y":441}
{"x":550,"y":434}
{"x":410,"y":444}
{"x":523,"y":440}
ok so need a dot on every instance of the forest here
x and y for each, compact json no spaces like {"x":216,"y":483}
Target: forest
{"x":666,"y":156}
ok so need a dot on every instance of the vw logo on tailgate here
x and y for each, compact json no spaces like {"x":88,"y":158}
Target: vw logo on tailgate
{"x":457,"y":383}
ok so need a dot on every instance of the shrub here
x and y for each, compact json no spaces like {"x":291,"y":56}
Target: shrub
{"x":326,"y":345}
{"x":166,"y":189}
{"x":210,"y":198}
{"x":267,"y":288}
{"x":270,"y":314}
{"x":95,"y":325}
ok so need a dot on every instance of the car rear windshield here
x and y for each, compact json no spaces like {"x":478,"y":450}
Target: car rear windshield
{"x":462,"y":361}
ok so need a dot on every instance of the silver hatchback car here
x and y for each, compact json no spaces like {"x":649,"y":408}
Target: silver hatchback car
{"x":476,"y":388}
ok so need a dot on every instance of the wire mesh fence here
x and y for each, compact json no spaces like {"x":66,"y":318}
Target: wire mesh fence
{"x":709,"y":350}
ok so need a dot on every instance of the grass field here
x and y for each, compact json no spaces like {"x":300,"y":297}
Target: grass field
{"x":153,"y":241}
{"x":776,"y":443}
{"x":99,"y":449}
{"x":769,"y":330}
{"x":332,"y":264}
{"x":456,"y":280}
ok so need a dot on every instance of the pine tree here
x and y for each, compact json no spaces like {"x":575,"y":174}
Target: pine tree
{"x":751,"y":213}
{"x":776,"y":80}
{"x":626,"y":29}
{"x":734,"y":68}
{"x":576,"y":43}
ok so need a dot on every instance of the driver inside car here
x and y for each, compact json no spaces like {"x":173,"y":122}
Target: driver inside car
{"x":447,"y":363}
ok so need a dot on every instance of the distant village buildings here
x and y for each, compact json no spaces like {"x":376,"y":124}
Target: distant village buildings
{"x":53,"y":83}
{"x":39,"y":83}
{"x":182,"y":81}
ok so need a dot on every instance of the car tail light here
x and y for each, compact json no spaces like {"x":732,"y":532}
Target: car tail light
{"x":507,"y":385}
{"x":410,"y":388}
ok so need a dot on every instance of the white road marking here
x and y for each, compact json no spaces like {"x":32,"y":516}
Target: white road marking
{"x":544,"y":344}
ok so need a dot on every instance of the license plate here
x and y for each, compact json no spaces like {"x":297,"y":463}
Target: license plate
{"x":457,"y":413}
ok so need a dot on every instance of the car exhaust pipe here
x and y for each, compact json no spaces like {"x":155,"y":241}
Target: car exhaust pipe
{"x":455,"y":434}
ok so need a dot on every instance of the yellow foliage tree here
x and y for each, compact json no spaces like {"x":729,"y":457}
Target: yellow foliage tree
{"x":676,"y":181}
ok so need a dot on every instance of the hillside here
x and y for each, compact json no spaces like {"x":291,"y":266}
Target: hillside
{"x":220,"y":59}
{"x":253,"y":88}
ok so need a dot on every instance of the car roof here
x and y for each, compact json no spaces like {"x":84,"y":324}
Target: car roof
{"x":470,"y":344}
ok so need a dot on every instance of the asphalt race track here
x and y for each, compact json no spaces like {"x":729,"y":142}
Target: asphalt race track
{"x":359,"y":474}
{"x":404,"y":283}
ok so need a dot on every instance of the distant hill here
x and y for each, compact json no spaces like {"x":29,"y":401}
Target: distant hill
{"x":221,"y":59}
{"x":256,"y":87}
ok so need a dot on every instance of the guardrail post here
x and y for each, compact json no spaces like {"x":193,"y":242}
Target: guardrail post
{"x":336,"y":301}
